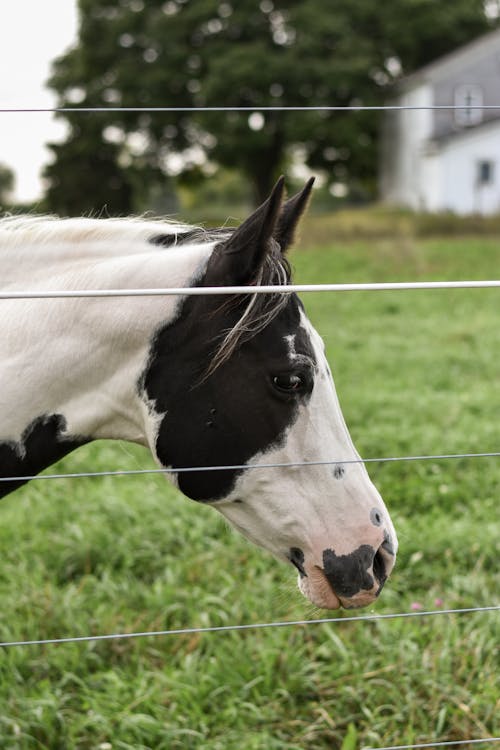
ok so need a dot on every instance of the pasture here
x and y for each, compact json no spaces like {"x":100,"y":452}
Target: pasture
{"x":416,"y":373}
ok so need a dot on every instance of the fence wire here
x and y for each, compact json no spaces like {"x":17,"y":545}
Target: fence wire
{"x":241,"y":467}
{"x":200,"y":291}
{"x":248,"y":626}
{"x":255,"y":108}
{"x":448,"y":743}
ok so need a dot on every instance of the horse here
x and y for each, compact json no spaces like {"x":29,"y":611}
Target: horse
{"x":238,"y":380}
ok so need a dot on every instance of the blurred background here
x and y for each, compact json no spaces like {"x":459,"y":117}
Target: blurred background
{"x":180,"y":53}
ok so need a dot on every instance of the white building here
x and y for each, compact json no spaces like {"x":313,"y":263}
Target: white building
{"x":446,"y":160}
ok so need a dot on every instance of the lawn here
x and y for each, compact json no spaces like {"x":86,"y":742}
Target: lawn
{"x":417,"y":373}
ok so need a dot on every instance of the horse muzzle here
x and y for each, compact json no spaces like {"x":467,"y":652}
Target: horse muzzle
{"x":350,"y":580}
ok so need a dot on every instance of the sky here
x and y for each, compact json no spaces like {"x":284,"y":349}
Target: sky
{"x":32,"y":34}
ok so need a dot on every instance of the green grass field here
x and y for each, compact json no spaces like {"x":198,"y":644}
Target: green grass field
{"x":416,"y":373}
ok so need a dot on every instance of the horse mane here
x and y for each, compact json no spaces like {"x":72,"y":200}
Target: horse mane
{"x":42,"y":229}
{"x":258,"y":310}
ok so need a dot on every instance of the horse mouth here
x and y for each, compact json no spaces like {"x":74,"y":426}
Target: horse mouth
{"x":313,"y":584}
{"x":316,"y":587}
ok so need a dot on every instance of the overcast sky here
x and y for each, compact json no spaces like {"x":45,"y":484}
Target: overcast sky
{"x":32,"y":34}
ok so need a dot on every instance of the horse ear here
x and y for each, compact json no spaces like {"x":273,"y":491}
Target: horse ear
{"x":238,"y":260}
{"x":291,"y":213}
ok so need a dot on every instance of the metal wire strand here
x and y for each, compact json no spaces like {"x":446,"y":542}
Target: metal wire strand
{"x":242,"y":467}
{"x":269,"y":289}
{"x":312,"y":108}
{"x":450,"y":743}
{"x":247,"y":626}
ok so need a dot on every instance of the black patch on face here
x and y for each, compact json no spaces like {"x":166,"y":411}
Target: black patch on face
{"x":348,"y":574}
{"x":296,"y":557}
{"x":41,"y":445}
{"x":236,"y":412}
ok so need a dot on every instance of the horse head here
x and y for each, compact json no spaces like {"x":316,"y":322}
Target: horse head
{"x":243,"y":382}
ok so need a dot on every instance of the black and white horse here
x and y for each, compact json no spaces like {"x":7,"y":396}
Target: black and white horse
{"x":200,"y":380}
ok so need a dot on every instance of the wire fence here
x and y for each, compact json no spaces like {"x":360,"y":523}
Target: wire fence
{"x":299,"y":288}
{"x":249,"y":626}
{"x":198,"y":291}
{"x":233,"y":290}
{"x":244,"y":467}
{"x":254,"y":108}
{"x":65,"y":294}
{"x":451,"y":743}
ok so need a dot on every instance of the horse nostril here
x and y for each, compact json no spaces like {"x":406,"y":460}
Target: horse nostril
{"x":387,"y":545}
{"x":379,"y":569}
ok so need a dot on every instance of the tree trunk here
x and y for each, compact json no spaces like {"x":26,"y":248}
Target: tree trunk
{"x":265,"y":170}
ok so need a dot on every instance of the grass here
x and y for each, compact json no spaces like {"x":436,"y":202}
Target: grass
{"x":379,"y":221}
{"x":417,"y":373}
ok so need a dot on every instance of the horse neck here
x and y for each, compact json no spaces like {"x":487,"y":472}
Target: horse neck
{"x":83,"y":358}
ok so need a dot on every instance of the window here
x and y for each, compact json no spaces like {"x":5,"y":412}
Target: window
{"x":485,"y":172}
{"x":469,"y":100}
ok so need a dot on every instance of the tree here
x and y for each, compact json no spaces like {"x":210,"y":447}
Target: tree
{"x":85,"y":176}
{"x":7,"y":182}
{"x":193,"y":53}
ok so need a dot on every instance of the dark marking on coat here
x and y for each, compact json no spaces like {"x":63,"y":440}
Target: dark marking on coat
{"x":296,"y":557}
{"x":247,"y":414}
{"x":191,"y":365}
{"x":339,"y":471}
{"x":348,"y":574}
{"x":42,"y":443}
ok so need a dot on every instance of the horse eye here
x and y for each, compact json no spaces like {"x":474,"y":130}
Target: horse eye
{"x":289,"y":383}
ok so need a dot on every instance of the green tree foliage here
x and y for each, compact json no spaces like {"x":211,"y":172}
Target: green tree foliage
{"x":85,"y":176}
{"x":193,"y":53}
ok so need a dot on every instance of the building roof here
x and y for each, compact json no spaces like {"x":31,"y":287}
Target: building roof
{"x":454,"y":61}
